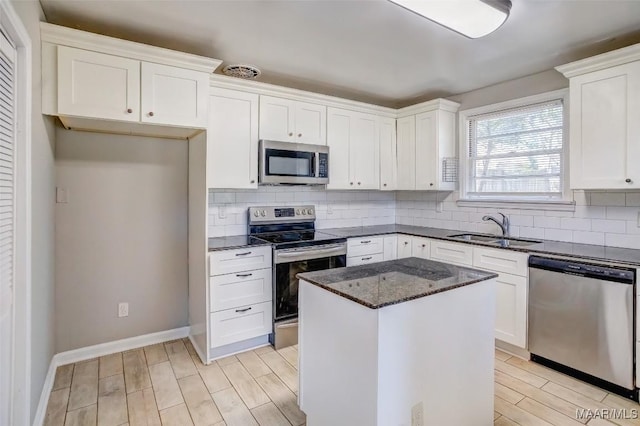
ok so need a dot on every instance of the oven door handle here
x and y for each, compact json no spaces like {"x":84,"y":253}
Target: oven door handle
{"x":307,"y":254}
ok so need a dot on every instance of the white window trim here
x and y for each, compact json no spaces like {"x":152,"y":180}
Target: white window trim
{"x":565,"y":204}
{"x":13,"y":26}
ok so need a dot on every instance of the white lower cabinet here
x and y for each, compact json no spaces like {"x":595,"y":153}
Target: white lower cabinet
{"x":512,"y":291}
{"x":240,"y":297}
{"x":240,"y":323}
{"x":370,"y":249}
{"x":363,"y":260}
{"x":390,"y":247}
{"x":511,"y":309}
{"x":455,"y":253}
{"x":404,"y":246}
{"x":421,"y":247}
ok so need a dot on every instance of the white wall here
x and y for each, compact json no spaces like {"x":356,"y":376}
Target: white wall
{"x":334,"y":209}
{"x":42,"y":239}
{"x":122,"y":237}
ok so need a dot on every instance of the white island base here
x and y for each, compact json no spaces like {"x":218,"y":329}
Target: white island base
{"x":424,"y":362}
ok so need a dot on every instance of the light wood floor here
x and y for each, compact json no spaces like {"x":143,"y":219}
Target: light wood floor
{"x":166,"y":384}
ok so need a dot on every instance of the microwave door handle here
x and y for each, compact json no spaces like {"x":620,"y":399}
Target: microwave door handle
{"x":314,"y":165}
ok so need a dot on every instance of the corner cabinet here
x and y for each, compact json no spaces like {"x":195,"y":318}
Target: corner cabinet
{"x":604,"y":125}
{"x":286,"y":120}
{"x":232,"y":140}
{"x":354,"y":142}
{"x":94,"y":82}
{"x":426,"y":147}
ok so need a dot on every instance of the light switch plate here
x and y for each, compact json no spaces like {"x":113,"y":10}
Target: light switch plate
{"x":123,"y":310}
{"x":62,"y":195}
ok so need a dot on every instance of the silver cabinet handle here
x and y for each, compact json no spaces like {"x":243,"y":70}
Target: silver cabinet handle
{"x":243,"y":254}
{"x":367,"y":258}
{"x":243,"y":275}
{"x":243,"y":310}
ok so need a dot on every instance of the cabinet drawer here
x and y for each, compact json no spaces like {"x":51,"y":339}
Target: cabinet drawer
{"x":242,"y":323}
{"x":362,"y":260}
{"x":459,"y":254}
{"x":501,"y":261}
{"x":239,"y":260}
{"x":239,"y":289}
{"x":364,"y":245}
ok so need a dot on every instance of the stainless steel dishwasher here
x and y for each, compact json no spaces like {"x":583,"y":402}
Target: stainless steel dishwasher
{"x":581,"y":321}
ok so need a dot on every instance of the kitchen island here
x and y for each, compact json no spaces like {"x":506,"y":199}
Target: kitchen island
{"x":404,"y":342}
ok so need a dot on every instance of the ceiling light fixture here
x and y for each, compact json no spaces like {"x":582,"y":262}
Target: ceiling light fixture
{"x":471,"y":18}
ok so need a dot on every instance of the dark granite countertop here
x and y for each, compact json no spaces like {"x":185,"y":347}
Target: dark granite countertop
{"x":558,"y":248}
{"x":388,"y":283}
{"x":236,"y":241}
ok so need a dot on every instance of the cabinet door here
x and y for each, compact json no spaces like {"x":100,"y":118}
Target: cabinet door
{"x":605,"y":130}
{"x":174,"y":96}
{"x":364,"y":152}
{"x":511,"y":309}
{"x":390,"y":247}
{"x":232,"y":140}
{"x":404,"y":246}
{"x":277,"y":119}
{"x":98,"y":86}
{"x":406,"y":157}
{"x":455,"y":253}
{"x":339,"y":123}
{"x":426,"y":156}
{"x":420,"y":247}
{"x":310,"y":123}
{"x":388,"y":155}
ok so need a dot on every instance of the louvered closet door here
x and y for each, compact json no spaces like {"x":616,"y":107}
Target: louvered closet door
{"x":7,"y":224}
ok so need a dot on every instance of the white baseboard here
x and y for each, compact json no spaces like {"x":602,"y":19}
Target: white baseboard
{"x":90,"y":352}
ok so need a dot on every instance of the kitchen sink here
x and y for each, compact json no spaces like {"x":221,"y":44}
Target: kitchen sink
{"x":495,"y":240}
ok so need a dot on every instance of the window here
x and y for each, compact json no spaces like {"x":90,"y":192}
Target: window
{"x":515,"y":151}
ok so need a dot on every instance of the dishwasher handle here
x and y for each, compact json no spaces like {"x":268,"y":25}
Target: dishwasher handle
{"x":588,"y":270}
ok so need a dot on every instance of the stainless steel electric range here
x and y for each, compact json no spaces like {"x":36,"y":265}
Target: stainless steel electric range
{"x":297,"y":247}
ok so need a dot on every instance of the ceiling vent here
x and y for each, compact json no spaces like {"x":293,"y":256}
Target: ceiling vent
{"x":247,"y":72}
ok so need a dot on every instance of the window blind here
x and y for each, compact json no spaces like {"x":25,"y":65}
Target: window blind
{"x":517,"y":153}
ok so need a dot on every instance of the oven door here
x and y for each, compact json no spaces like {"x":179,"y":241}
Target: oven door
{"x":290,"y":163}
{"x":288,"y":263}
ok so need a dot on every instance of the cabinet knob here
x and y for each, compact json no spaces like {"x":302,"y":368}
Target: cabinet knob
{"x":299,"y":135}
{"x":431,"y":184}
{"x":384,"y":184}
{"x":406,"y":242}
{"x":129,"y":110}
{"x":350,"y":183}
{"x":358,"y":183}
{"x":424,"y":245}
{"x":290,"y":134}
{"x":627,"y":180}
{"x":253,"y":181}
{"x":151,"y":114}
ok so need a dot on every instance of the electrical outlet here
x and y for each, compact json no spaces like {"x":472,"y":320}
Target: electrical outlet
{"x":123,"y":310}
{"x":417,"y":415}
{"x":222,"y":212}
{"x":62,"y":195}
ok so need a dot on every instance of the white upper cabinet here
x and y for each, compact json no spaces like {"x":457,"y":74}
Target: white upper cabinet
{"x":232,"y":140}
{"x":426,"y":143}
{"x":174,"y":96}
{"x":388,"y":147}
{"x":354,"y":157}
{"x":96,"y":85}
{"x":604,"y":125}
{"x":286,"y":120}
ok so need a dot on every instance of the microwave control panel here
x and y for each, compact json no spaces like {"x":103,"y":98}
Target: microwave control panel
{"x":323,"y":165}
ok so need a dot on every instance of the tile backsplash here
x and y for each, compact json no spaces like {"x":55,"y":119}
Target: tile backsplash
{"x":602,"y":218}
{"x":334,"y":209}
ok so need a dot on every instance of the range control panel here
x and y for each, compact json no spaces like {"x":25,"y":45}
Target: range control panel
{"x":270,"y":214}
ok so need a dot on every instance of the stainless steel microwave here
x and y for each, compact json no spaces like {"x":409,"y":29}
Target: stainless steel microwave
{"x":293,"y":163}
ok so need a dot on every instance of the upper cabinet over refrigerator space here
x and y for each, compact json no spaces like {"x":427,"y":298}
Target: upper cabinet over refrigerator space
{"x":94,"y":82}
{"x":604,"y":126}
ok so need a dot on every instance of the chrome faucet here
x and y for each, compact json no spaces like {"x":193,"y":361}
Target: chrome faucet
{"x":504,"y":225}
